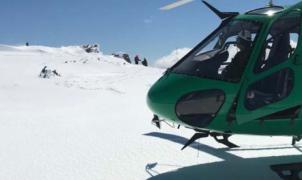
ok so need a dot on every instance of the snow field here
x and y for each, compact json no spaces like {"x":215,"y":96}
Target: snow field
{"x":93,"y":123}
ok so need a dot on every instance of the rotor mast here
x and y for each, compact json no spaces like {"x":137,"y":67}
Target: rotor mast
{"x":270,"y":3}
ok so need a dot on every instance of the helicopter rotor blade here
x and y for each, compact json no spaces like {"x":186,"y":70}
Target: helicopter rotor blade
{"x":175,"y":4}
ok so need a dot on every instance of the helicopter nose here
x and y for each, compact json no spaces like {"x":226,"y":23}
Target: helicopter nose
{"x":160,"y":99}
{"x":173,"y":99}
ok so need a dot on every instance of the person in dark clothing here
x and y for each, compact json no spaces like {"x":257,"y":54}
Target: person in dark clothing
{"x":48,"y":73}
{"x":145,"y":62}
{"x":237,"y":66}
{"x":136,"y":59}
{"x":27,"y":44}
{"x":127,"y":58}
{"x":43,"y":72}
{"x":44,"y":69}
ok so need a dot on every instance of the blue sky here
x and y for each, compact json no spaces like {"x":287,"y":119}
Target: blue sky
{"x":134,"y":26}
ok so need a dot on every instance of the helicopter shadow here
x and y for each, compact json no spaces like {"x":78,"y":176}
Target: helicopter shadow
{"x":232,"y":167}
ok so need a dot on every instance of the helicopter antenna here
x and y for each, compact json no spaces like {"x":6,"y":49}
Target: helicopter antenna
{"x":221,"y":15}
{"x":270,"y":3}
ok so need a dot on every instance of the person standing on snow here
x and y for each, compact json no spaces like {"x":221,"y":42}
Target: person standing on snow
{"x":136,"y":59}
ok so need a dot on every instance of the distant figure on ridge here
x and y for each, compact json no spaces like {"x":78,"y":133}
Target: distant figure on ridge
{"x":27,"y":44}
{"x":136,"y":59}
{"x":145,"y":62}
{"x":127,"y":58}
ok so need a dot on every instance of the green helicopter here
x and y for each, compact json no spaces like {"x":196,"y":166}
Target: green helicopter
{"x":244,"y":78}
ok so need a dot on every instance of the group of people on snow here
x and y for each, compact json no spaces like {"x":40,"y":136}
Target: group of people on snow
{"x":127,"y":58}
{"x":137,"y":60}
{"x":48,"y":73}
{"x":91,"y":48}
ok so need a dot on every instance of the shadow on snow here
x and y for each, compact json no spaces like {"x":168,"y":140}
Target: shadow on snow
{"x":232,"y":167}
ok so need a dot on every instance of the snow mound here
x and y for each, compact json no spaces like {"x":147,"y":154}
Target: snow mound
{"x":171,"y":59}
{"x":42,"y":49}
{"x":78,"y":69}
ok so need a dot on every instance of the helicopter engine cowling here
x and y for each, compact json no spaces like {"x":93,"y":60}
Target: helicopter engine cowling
{"x":191,"y":101}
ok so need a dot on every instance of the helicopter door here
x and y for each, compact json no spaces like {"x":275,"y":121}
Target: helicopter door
{"x":273,"y":87}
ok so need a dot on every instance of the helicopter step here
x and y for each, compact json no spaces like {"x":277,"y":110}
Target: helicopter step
{"x":157,"y":122}
{"x":219,"y":137}
{"x":288,"y":171}
{"x":224,"y":140}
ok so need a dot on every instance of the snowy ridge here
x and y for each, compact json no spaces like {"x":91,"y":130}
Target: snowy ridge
{"x":74,"y":52}
{"x":78,"y":68}
{"x":42,"y":49}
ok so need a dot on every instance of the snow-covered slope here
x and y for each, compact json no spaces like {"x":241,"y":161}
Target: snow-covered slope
{"x":172,"y":58}
{"x":92,"y":123}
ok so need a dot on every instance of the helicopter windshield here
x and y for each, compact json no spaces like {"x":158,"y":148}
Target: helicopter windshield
{"x":224,"y":55}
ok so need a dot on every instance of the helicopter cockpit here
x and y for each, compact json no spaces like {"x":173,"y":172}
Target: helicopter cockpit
{"x":224,"y":55}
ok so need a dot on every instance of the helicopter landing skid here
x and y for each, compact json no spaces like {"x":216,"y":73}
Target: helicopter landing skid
{"x":288,"y":171}
{"x":296,"y":139}
{"x":224,"y":140}
{"x":217,"y":136}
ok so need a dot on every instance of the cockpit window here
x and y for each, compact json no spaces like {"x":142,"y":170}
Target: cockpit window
{"x":224,"y":55}
{"x":281,"y":42}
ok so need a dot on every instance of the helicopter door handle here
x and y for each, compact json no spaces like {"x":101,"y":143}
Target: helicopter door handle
{"x":296,"y":60}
